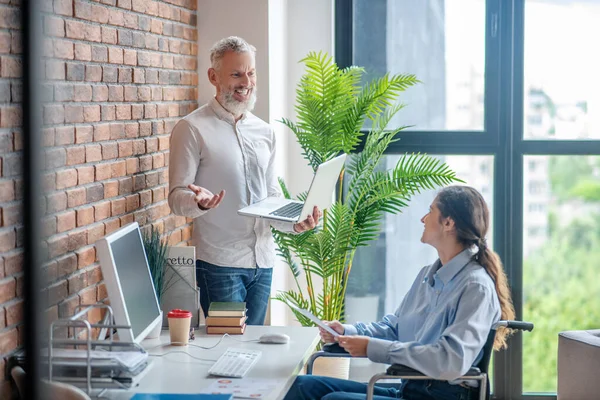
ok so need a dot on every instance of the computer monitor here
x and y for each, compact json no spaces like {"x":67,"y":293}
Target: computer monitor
{"x":128,"y":282}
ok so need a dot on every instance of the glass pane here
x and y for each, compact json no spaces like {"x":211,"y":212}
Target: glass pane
{"x":561,"y":251}
{"x":561,"y":84}
{"x":441,"y":42}
{"x":383,"y":272}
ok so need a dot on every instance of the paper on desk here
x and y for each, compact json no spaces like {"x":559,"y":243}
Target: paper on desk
{"x":314,"y":319}
{"x":244,"y":388}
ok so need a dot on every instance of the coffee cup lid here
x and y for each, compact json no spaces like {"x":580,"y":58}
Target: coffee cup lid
{"x":177,"y":313}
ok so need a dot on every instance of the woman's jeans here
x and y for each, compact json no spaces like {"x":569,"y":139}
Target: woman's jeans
{"x":252,"y":285}
{"x":311,"y":387}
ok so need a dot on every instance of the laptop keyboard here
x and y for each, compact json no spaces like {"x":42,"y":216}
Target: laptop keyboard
{"x":290,"y":210}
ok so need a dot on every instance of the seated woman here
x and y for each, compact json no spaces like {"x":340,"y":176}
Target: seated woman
{"x":443,"y":322}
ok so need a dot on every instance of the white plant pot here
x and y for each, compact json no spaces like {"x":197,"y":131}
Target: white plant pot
{"x":334,"y":367}
{"x":361,"y":309}
{"x":155,"y":332}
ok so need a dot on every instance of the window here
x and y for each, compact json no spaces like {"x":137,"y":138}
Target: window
{"x":528,"y":80}
{"x":555,"y":107}
{"x":559,"y":265}
{"x":442,"y":42}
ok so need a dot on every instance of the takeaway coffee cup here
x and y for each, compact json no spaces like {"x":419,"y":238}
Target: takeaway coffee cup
{"x":179,"y":326}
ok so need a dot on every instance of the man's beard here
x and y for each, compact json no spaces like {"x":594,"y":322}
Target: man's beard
{"x":237,"y":107}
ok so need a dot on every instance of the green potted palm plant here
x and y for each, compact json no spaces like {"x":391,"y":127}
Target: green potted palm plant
{"x":333,"y":106}
{"x":156,"y":252}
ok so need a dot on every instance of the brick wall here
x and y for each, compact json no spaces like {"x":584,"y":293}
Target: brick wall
{"x":119,"y":74}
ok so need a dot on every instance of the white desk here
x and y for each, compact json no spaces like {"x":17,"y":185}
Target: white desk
{"x":179,"y":373}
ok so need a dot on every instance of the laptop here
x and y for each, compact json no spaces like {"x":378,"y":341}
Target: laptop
{"x":320,"y":194}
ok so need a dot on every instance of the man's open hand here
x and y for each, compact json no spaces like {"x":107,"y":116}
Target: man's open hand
{"x":205,"y":198}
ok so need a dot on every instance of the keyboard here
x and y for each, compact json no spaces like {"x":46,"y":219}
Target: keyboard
{"x":235,"y":363}
{"x":290,"y":210}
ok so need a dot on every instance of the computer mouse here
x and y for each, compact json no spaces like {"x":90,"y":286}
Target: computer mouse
{"x":277,"y":338}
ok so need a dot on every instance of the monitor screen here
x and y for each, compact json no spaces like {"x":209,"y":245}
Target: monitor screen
{"x":128,"y":282}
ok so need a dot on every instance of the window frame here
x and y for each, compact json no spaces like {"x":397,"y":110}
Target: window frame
{"x":502,"y":137}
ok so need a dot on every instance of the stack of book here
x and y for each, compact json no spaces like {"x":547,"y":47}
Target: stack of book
{"x":226,"y":317}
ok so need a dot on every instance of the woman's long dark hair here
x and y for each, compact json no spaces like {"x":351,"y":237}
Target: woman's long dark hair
{"x":467,"y":208}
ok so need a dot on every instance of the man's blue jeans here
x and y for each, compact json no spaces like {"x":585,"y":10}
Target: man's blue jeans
{"x":252,"y":285}
{"x":310,"y":387}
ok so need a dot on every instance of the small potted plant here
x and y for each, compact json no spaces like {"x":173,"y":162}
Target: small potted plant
{"x":156,"y":253}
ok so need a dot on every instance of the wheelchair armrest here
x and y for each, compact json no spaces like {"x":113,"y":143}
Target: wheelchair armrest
{"x":328,"y":350}
{"x":407,"y":372}
{"x":334,"y":348}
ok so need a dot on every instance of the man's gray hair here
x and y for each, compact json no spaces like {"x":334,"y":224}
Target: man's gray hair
{"x":231,"y":43}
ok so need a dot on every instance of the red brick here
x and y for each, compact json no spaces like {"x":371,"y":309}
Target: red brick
{"x":93,"y":152}
{"x":73,"y":114}
{"x":126,"y":219}
{"x":9,"y":340}
{"x":125,"y":149}
{"x":85,"y":256}
{"x":130,"y":57}
{"x":115,"y":55}
{"x":57,"y":245}
{"x":75,"y":155}
{"x":76,"y":197}
{"x":75,"y":29}
{"x":115,"y":17}
{"x":103,"y":171}
{"x":118,"y":206}
{"x":112,"y":225}
{"x":63,"y":7}
{"x":94,"y":275}
{"x":101,"y":211}
{"x":54,"y":114}
{"x":5,"y":42}
{"x":91,"y":113}
{"x":84,"y":134}
{"x":66,"y":265}
{"x":111,"y":189}
{"x":77,"y":282}
{"x":83,"y":52}
{"x":93,"y":33}
{"x":95,"y":233}
{"x":145,"y":198}
{"x":101,"y":132}
{"x":8,"y":240}
{"x":85,"y":216}
{"x":7,"y":289}
{"x":130,"y":93}
{"x":108,"y":113}
{"x":65,"y":221}
{"x":100,"y":92}
{"x":66,"y":308}
{"x":77,"y":239}
{"x":158,"y":160}
{"x":11,"y":67}
{"x":12,"y":214}
{"x":66,"y":178}
{"x":64,"y":135}
{"x":109,"y":150}
{"x":11,"y":116}
{"x":115,"y":93}
{"x":55,"y":202}
{"x":119,"y":169}
{"x":93,"y":73}
{"x":133,"y":202}
{"x":2,"y":326}
{"x":63,"y":49}
{"x":85,"y":175}
{"x":48,"y":226}
{"x":132,"y":129}
{"x":109,"y":35}
{"x":54,"y":26}
{"x":7,"y":190}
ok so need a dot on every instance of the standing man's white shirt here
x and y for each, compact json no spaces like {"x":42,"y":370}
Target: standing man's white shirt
{"x":208,"y":148}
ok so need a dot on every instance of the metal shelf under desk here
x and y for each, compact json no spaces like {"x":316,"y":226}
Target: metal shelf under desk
{"x":93,"y":364}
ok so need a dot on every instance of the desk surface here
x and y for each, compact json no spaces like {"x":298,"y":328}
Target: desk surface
{"x":180,"y":373}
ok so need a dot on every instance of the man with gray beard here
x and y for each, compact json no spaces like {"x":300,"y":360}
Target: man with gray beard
{"x":222,"y":158}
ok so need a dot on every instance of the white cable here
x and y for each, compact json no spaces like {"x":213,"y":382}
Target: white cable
{"x":195,"y":345}
{"x":181,"y":351}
